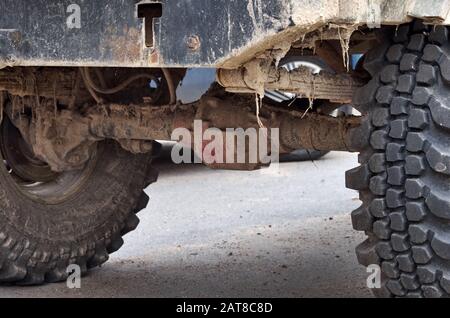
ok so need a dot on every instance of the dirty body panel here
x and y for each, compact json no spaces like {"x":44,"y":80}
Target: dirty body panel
{"x":188,"y":33}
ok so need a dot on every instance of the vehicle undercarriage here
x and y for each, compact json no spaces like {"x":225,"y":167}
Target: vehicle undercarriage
{"x":83,"y":103}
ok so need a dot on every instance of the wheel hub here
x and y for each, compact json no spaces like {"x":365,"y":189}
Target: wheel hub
{"x":34,"y":177}
{"x":19,"y":158}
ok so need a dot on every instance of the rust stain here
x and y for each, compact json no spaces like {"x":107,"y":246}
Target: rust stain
{"x":125,"y":48}
{"x":154,"y":57}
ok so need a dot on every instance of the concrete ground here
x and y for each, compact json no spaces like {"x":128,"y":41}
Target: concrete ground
{"x":270,"y":233}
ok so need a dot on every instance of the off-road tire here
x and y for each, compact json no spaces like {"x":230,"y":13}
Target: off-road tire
{"x":404,"y":177}
{"x":38,"y":241}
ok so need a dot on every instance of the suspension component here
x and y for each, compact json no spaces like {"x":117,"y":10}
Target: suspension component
{"x":257,"y":75}
{"x":66,"y":138}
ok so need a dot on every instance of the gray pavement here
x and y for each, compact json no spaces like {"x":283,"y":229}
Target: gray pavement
{"x":271,"y":233}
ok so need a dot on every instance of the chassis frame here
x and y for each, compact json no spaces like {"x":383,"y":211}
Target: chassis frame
{"x":189,"y":33}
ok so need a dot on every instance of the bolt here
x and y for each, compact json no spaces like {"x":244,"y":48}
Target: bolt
{"x":193,"y":43}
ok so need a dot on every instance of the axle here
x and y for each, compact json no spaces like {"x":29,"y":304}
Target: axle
{"x":66,"y":138}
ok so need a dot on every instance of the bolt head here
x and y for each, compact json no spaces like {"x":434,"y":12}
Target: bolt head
{"x":193,"y":43}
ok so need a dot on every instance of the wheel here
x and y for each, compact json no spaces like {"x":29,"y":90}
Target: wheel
{"x":290,"y":63}
{"x":404,"y":177}
{"x":50,"y":221}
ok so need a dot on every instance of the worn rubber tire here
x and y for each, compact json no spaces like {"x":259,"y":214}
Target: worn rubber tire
{"x":38,"y":241}
{"x":404,"y":177}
